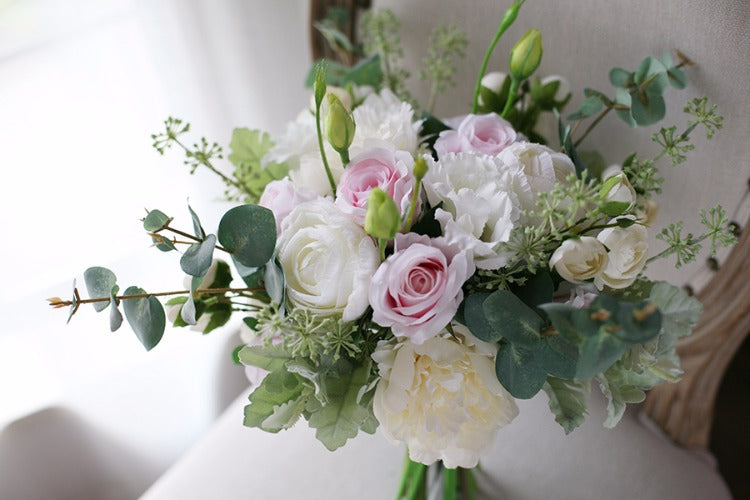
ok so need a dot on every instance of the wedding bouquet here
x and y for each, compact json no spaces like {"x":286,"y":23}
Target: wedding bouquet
{"x":418,"y":275}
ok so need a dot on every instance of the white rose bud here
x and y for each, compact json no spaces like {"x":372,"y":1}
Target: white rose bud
{"x":580,"y":259}
{"x":627,"y":255}
{"x":619,"y":195}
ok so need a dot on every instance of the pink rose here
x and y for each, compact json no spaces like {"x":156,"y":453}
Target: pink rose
{"x":389,"y":170}
{"x":483,"y":134}
{"x":280,"y":197}
{"x":417,"y":290}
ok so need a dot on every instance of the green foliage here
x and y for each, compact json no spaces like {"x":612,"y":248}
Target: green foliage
{"x":341,"y":418}
{"x":519,"y":370}
{"x":643,"y":175}
{"x":368,"y":71}
{"x":249,"y":232}
{"x":248,"y":147}
{"x":705,"y":115}
{"x":115,"y":316}
{"x":717,"y":223}
{"x":202,"y":154}
{"x":379,"y":31}
{"x":145,"y":316}
{"x":155,"y":221}
{"x":188,"y":311}
{"x":277,"y":403}
{"x":99,"y":283}
{"x":198,"y":257}
{"x":615,"y":387}
{"x":173,"y":128}
{"x":674,"y":147}
{"x":273,"y":281}
{"x":568,"y":401}
{"x":685,"y":248}
{"x":446,"y":44}
{"x":270,"y":357}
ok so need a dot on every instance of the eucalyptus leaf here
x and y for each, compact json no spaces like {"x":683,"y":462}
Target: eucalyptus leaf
{"x":568,"y":401}
{"x":115,"y":316}
{"x":198,"y":257}
{"x":536,"y":290}
{"x":252,"y":276}
{"x":145,"y":316}
{"x":647,"y":109}
{"x":475,"y":319}
{"x":155,"y":221}
{"x":515,"y":321}
{"x":249,"y":232}
{"x":620,"y":77}
{"x":219,"y":315}
{"x":519,"y":371}
{"x":589,"y":107}
{"x":188,"y":310}
{"x":273,"y":279}
{"x":163,"y":243}
{"x":99,"y":283}
{"x":197,"y":227}
{"x":677,"y":78}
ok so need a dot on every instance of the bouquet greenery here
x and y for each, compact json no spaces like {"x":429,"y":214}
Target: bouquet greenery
{"x":418,"y":274}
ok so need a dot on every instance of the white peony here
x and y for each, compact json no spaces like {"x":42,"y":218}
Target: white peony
{"x":481,"y":200}
{"x":442,"y":398}
{"x":311,"y":173}
{"x":298,"y":139}
{"x":327,"y":260}
{"x":579,"y":259}
{"x":543,"y":167}
{"x":628,"y":249}
{"x":384,"y":117}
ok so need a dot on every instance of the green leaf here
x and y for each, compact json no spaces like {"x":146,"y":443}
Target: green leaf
{"x":519,"y":371}
{"x":115,"y":317}
{"x":188,"y":311}
{"x":430,"y":130}
{"x":568,"y":401}
{"x":249,"y":232}
{"x":677,"y":78}
{"x":647,"y":109}
{"x":365,"y":72}
{"x":145,"y":316}
{"x":341,"y":418}
{"x":595,"y":93}
{"x":679,"y":311}
{"x":219,"y":316}
{"x":163,"y":243}
{"x":197,"y":228}
{"x":536,"y":290}
{"x":475,"y":319}
{"x":640,"y":322}
{"x":198,"y":257}
{"x":271,"y":357}
{"x":620,"y":77}
{"x":618,"y":396}
{"x":273,"y":280}
{"x":99,"y":283}
{"x":623,"y":102}
{"x":513,"y":319}
{"x":223,"y":276}
{"x":277,"y":403}
{"x":248,"y":148}
{"x":156,"y":220}
{"x":559,"y":356}
{"x":252,"y":276}
{"x":589,"y":107}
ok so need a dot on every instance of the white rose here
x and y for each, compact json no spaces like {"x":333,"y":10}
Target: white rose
{"x":627,"y":255}
{"x":482,"y":199}
{"x":543,"y":167}
{"x":327,"y":260}
{"x":618,"y":193}
{"x":384,"y":117}
{"x":579,"y":259}
{"x":442,"y":398}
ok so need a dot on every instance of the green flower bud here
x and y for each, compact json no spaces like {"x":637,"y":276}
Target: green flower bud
{"x":420,"y":168}
{"x":383,"y":218}
{"x":339,"y":124}
{"x":319,"y":85}
{"x":618,"y":194}
{"x":526,"y":55}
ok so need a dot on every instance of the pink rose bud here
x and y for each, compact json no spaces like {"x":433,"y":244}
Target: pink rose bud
{"x":388,"y":170}
{"x":417,"y":290}
{"x":280,"y":197}
{"x":480,"y":134}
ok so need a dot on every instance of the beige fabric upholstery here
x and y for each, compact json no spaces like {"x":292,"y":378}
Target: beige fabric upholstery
{"x":530,"y":459}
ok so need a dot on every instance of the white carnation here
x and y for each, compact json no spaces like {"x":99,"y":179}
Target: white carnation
{"x":481,"y":198}
{"x":442,"y":398}
{"x":327,"y":259}
{"x":384,"y":117}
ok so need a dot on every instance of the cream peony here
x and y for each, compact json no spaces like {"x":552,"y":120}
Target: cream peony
{"x":481,"y":200}
{"x":442,"y":398}
{"x":384,"y":117}
{"x":327,"y":260}
{"x":628,"y":249}
{"x":579,"y":259}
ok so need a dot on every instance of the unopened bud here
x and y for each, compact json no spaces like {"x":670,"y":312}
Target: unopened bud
{"x":420,"y":168}
{"x":339,"y":124}
{"x":383,"y":218}
{"x":319,"y":84}
{"x":619,"y":195}
{"x":526,"y":55}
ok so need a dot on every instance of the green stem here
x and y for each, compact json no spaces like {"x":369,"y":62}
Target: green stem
{"x":408,"y":466}
{"x":412,"y":208}
{"x":189,"y":236}
{"x":450,"y":484}
{"x":471,"y":486}
{"x":415,"y":483}
{"x":514,"y":83}
{"x":159,"y":294}
{"x":508,"y":18}
{"x":667,"y":252}
{"x":344,"y":154}
{"x":322,"y":150}
{"x":208,"y":165}
{"x":593,"y":124}
{"x":382,"y":242}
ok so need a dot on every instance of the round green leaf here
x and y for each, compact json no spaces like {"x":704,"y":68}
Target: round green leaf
{"x":513,"y":319}
{"x":115,"y":317}
{"x":620,"y":77}
{"x":156,"y":220}
{"x":519,"y":371}
{"x":99,"y":282}
{"x":475,"y":320}
{"x":273,"y":280}
{"x":249,"y":232}
{"x":145,"y":316}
